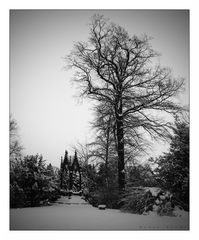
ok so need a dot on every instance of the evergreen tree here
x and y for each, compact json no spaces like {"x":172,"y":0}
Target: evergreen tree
{"x":50,"y":171}
{"x":173,"y":167}
{"x":34,"y":181}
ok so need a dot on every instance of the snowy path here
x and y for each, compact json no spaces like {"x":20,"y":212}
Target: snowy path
{"x":76,"y":214}
{"x":75,"y":200}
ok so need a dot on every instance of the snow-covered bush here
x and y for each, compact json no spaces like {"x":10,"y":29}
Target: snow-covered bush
{"x":146,"y":200}
{"x":31,"y":183}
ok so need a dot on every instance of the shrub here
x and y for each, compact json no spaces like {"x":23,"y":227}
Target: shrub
{"x":17,"y":196}
{"x":31,"y":183}
{"x":149,"y":200}
{"x":107,"y":197}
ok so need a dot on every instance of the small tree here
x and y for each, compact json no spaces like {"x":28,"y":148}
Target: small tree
{"x":117,"y":69}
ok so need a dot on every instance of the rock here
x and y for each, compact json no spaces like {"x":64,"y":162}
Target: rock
{"x":102,"y":207}
{"x":44,"y":202}
{"x":155,"y":208}
{"x":162,"y":197}
{"x":157,"y":201}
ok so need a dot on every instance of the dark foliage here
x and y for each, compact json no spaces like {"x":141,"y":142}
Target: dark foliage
{"x":140,"y":175}
{"x":32,"y":183}
{"x":172,"y":171}
{"x":100,"y":185}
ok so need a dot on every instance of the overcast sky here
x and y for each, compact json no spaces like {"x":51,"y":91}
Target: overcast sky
{"x":50,"y":119}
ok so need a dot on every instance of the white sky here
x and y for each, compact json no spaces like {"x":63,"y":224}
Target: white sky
{"x":41,"y":95}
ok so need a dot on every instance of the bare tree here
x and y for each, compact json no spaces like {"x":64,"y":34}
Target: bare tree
{"x":117,"y":69}
{"x":15,"y":145}
{"x":83,"y":152}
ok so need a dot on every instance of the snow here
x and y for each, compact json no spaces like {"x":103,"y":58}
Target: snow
{"x":154,"y":190}
{"x":155,"y":208}
{"x":76,"y":214}
{"x":119,"y":105}
{"x":102,"y":207}
{"x":157,"y":201}
{"x":162,"y":197}
{"x":178,"y":212}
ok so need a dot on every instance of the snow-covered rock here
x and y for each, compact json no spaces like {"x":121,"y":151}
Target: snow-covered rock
{"x":155,"y":208}
{"x":153,"y":190}
{"x":102,"y":207}
{"x":179,"y":212}
{"x":162,"y":197}
{"x":157,"y":201}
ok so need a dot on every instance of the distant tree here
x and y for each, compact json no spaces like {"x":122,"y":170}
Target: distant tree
{"x":140,"y":175}
{"x":15,"y":145}
{"x":50,"y":170}
{"x":103,"y":146}
{"x":89,"y":176}
{"x":117,"y":69}
{"x":83,"y":152}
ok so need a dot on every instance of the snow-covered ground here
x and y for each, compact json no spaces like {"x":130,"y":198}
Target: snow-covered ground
{"x":76,"y":214}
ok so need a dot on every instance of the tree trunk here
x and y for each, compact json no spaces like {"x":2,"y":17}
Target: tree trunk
{"x":120,"y":148}
{"x":61,"y":179}
{"x":61,"y":174}
{"x":80,"y":181}
{"x":107,"y":152}
{"x":70,"y":180}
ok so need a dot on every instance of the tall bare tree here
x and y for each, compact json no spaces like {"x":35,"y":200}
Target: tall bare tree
{"x":15,"y":145}
{"x":117,"y":69}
